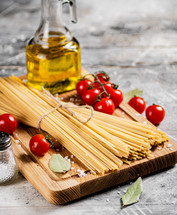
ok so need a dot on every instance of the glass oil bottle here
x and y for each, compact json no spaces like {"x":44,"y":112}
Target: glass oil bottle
{"x":53,"y":55}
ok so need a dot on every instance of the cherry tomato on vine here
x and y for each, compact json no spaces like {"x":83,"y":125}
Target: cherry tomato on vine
{"x":8,"y":123}
{"x":39,"y":145}
{"x":103,"y":77}
{"x":89,"y":97}
{"x":155,"y":114}
{"x":106,"y":105}
{"x":138,"y":104}
{"x":115,"y":95}
{"x":82,"y":86}
{"x":97,"y":85}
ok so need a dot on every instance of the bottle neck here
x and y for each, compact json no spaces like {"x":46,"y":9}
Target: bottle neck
{"x":51,"y":13}
{"x":52,"y":24}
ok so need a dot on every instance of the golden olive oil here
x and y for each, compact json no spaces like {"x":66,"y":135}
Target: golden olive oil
{"x":53,"y":63}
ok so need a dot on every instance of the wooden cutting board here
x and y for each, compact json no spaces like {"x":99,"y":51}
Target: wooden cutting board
{"x":61,"y":188}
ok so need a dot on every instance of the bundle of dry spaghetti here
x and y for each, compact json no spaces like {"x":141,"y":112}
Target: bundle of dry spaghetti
{"x":102,"y":144}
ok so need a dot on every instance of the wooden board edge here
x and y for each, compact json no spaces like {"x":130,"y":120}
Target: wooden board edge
{"x":113,"y":179}
{"x":40,"y":179}
{"x":55,"y":195}
{"x":120,"y":177}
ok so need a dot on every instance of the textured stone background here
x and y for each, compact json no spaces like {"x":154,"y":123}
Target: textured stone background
{"x":135,"y":41}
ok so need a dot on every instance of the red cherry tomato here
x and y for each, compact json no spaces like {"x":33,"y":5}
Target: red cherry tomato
{"x":115,"y":95}
{"x":8,"y":123}
{"x":82,"y":86}
{"x":155,"y":114}
{"x":106,"y":105}
{"x":103,"y":77}
{"x":39,"y":145}
{"x":98,"y":85}
{"x":138,"y":104}
{"x":89,"y":97}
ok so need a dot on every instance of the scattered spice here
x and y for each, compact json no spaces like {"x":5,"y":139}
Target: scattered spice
{"x":17,"y":141}
{"x":169,"y":145}
{"x":81,"y":173}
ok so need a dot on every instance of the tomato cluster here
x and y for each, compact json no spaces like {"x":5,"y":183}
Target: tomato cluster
{"x":38,"y":143}
{"x":100,"y":93}
{"x":105,"y":97}
{"x":154,"y":113}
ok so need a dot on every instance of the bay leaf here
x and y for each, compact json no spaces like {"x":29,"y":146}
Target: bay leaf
{"x":133,"y":193}
{"x":130,"y":94}
{"x":58,"y":164}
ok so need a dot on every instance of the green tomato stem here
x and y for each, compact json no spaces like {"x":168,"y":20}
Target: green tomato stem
{"x":97,"y":80}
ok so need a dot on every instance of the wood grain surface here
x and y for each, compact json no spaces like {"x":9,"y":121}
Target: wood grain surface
{"x":62,"y":188}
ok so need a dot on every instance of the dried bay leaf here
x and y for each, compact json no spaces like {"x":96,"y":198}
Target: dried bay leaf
{"x":131,"y":94}
{"x":133,"y":193}
{"x":58,"y":164}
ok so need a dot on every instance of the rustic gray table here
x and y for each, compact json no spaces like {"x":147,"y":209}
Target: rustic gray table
{"x":135,"y":41}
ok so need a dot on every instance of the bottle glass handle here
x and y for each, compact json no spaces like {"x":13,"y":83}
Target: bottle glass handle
{"x":72,"y":8}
